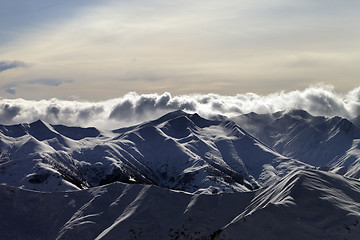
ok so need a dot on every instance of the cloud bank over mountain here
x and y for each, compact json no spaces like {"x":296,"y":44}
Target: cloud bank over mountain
{"x":134,"y":108}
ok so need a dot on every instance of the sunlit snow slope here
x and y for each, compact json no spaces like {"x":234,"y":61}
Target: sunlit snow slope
{"x":287,"y":175}
{"x":306,"y":204}
{"x":177,"y":151}
{"x":329,"y":143}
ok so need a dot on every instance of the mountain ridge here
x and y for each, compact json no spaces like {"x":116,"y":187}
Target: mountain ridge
{"x":216,"y":154}
{"x":309,"y":204}
{"x":183,"y":176}
{"x":213,"y":154}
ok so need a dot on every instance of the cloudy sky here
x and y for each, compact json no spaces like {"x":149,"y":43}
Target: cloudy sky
{"x":112,"y":63}
{"x":98,"y":50}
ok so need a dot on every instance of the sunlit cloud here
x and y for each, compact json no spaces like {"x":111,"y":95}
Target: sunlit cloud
{"x":133,"y":108}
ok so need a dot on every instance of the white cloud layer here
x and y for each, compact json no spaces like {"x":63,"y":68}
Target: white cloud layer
{"x":133,"y":108}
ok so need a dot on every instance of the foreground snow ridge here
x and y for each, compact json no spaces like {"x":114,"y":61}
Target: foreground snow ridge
{"x":275,"y":176}
{"x":306,"y":204}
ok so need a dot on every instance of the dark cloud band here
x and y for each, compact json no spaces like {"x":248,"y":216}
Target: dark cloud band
{"x":7,"y":65}
{"x":52,"y":82}
{"x":49,"y":81}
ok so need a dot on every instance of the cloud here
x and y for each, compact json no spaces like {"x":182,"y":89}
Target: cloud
{"x":11,"y":91}
{"x":134,"y":108}
{"x":7,"y":65}
{"x":10,"y":88}
{"x":129,"y":45}
{"x":8,"y":112}
{"x":49,"y":81}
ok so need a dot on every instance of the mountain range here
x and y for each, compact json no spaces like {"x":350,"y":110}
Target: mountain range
{"x":183,"y":176}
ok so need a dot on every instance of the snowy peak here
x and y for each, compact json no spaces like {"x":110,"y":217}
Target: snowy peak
{"x":257,"y":176}
{"x":183,"y":125}
{"x":311,"y":139}
{"x":179,"y":151}
{"x":38,"y":129}
{"x":180,"y":117}
{"x":39,"y":124}
{"x":42,"y":131}
{"x":178,"y":127}
{"x":339,"y":124}
{"x":13,"y":130}
{"x":169,"y":116}
{"x":77,"y":133}
{"x":306,"y":204}
{"x":298,"y":113}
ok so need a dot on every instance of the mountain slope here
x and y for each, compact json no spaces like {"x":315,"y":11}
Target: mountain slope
{"x":306,"y":204}
{"x":314,"y":140}
{"x":177,"y":151}
{"x":125,"y":183}
{"x":303,"y":205}
{"x":107,"y":212}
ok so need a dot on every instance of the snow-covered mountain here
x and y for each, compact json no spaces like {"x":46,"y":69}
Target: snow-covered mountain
{"x":258,"y":176}
{"x":306,"y":204}
{"x":315,"y":140}
{"x":177,"y":151}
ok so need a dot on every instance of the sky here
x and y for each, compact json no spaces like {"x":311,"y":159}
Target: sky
{"x":89,"y":53}
{"x":97,"y":50}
